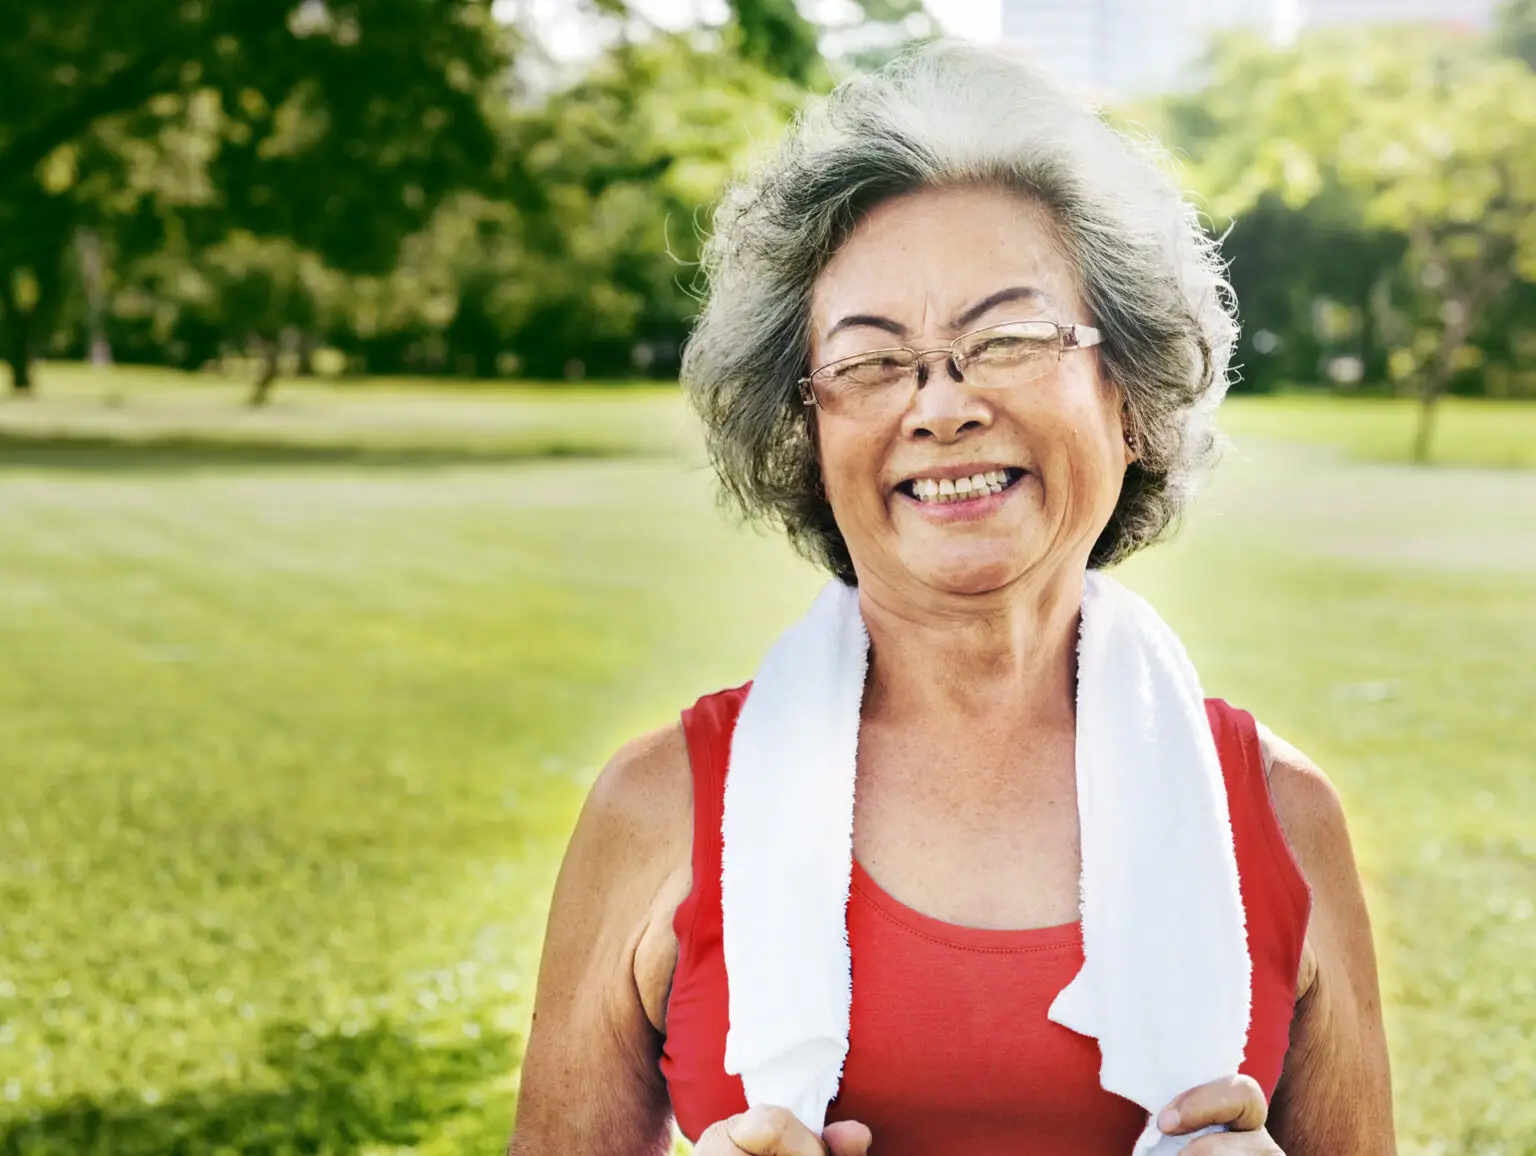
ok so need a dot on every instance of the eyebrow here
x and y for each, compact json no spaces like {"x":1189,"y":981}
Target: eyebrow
{"x":867,"y":321}
{"x":980,"y":309}
{"x":1001,"y":297}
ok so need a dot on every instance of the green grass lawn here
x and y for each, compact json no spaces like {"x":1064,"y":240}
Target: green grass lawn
{"x":297,"y":708}
{"x":1467,"y":431}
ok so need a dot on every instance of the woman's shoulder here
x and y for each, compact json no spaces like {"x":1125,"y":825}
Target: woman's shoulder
{"x":640,"y":809}
{"x":637,"y":823}
{"x":1311,"y":815}
{"x":643,"y":789}
{"x":643,"y":797}
{"x":628,"y":862}
{"x":1309,"y":806}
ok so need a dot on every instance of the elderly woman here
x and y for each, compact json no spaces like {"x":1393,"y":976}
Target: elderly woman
{"x":964,"y":343}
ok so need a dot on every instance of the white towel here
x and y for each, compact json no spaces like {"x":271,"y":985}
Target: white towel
{"x":1166,"y":980}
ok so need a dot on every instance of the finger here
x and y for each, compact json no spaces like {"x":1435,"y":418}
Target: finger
{"x":766,"y":1130}
{"x":1235,"y":1101}
{"x":716,"y":1141}
{"x":1259,"y":1143}
{"x":847,"y":1138}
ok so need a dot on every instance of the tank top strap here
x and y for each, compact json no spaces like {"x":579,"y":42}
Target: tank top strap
{"x":707,"y":727}
{"x":1272,"y":880}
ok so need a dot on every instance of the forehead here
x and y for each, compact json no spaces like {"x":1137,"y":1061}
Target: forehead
{"x":922,"y":258}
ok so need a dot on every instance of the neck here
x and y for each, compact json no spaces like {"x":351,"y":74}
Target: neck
{"x":955,"y":658}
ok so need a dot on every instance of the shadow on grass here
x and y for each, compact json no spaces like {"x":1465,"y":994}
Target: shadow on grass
{"x":179,"y":454}
{"x":335,"y":1095}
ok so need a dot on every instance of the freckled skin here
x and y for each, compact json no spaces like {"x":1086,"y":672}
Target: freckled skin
{"x":921,"y":260}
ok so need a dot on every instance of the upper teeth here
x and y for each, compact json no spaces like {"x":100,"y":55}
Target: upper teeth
{"x":950,"y":489}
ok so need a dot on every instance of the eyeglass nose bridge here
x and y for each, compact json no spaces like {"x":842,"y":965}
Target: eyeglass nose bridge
{"x":920,"y":363}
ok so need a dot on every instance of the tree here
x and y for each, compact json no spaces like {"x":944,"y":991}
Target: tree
{"x":611,"y":179}
{"x":1408,"y":157}
{"x":260,"y":294}
{"x":609,"y":184}
{"x":1453,"y":170}
{"x":339,"y":125}
{"x":775,"y":36}
{"x":778,"y":37}
{"x":1515,"y":30}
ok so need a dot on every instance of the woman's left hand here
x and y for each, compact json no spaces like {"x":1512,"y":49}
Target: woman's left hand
{"x":1235,"y":1101}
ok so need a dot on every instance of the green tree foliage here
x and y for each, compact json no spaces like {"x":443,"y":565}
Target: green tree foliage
{"x":1379,"y":186}
{"x":776,"y":36}
{"x":304,"y":171}
{"x":626,"y":164}
{"x":1515,"y":30}
{"x":1454,"y":171}
{"x":338,"y":125}
{"x":582,"y":262}
{"x":262,"y":292}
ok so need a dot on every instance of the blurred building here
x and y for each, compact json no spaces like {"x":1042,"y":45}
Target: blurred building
{"x":1117,"y":48}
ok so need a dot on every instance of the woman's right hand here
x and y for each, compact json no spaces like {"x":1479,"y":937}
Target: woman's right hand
{"x":769,"y":1131}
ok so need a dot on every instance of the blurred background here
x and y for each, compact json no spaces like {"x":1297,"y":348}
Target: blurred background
{"x":350,"y":516}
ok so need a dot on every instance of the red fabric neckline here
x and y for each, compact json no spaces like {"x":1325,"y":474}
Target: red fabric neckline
{"x":959,"y":935}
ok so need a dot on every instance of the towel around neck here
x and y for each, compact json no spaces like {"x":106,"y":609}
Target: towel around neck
{"x":1166,"y":981}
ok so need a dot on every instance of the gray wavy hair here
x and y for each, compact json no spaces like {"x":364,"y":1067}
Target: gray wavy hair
{"x":952,"y":114}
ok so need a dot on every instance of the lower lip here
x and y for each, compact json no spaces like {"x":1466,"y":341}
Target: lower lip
{"x":970,"y":510}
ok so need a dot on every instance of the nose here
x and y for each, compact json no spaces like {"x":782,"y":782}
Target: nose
{"x":944,"y":407}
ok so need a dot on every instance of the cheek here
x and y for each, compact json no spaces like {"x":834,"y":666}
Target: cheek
{"x":850,"y":465}
{"x":1088,"y":446}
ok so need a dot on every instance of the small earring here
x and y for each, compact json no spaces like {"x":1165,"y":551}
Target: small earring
{"x":1130,"y":441}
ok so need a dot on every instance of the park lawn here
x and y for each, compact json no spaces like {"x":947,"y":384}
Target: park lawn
{"x":1467,"y":431}
{"x":204,"y":415}
{"x":291,"y":740}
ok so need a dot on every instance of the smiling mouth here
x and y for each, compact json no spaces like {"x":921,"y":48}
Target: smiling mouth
{"x":945,"y":490}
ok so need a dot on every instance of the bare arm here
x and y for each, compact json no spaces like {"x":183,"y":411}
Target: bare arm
{"x":1335,"y":1094}
{"x":591,"y":1083}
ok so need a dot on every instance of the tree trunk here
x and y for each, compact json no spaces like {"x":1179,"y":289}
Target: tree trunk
{"x":1426,"y":428}
{"x":1460,"y":314}
{"x":18,"y":345}
{"x":88,"y":248}
{"x":21,"y":373}
{"x":261,"y":392}
{"x":306,"y":350}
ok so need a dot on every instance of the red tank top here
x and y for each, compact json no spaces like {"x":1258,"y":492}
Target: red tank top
{"x":949,"y":1046}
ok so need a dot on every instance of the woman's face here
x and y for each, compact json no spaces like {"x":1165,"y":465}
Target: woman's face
{"x":920,"y":270}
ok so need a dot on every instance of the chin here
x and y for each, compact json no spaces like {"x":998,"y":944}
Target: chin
{"x":969,"y":575}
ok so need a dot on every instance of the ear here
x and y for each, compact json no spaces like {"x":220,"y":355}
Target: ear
{"x":1128,"y":436}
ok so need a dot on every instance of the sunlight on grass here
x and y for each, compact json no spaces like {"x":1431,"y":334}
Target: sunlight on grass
{"x":1468,"y":431}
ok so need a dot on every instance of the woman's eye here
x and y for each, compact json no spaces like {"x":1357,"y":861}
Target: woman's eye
{"x":1004,"y":347}
{"x":871,"y":368}
{"x":1009,"y":351}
